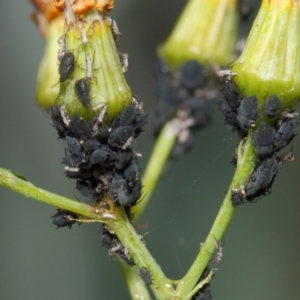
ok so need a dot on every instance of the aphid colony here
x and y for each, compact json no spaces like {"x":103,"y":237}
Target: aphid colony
{"x":183,"y":98}
{"x":242,"y":114}
{"x":101,"y":160}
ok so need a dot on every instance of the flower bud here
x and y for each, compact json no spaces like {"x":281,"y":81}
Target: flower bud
{"x":206,"y":31}
{"x":269,"y":64}
{"x":47,"y":90}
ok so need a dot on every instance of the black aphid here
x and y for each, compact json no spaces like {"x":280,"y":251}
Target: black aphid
{"x":237,"y":197}
{"x":86,"y":190}
{"x":231,"y":94}
{"x":127,"y":116}
{"x":285,"y":134}
{"x":66,"y":66}
{"x":80,"y":128}
{"x":72,"y":145}
{"x":121,"y":137}
{"x":192,"y":75}
{"x":262,"y":178}
{"x":58,"y":121}
{"x":100,"y":156}
{"x":248,"y":112}
{"x":61,"y":218}
{"x":272,"y":106}
{"x":263,"y":140}
{"x":145,"y":275}
{"x":82,"y":89}
{"x":90,"y":146}
{"x":123,"y":158}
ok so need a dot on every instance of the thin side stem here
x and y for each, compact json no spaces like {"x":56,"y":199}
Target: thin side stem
{"x":245,"y":167}
{"x":156,"y":163}
{"x":21,"y":185}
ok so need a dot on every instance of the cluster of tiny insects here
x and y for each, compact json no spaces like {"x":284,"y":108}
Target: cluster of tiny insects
{"x":273,"y":129}
{"x":99,"y":155}
{"x":183,"y":98}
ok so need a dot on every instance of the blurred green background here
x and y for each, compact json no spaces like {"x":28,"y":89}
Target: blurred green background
{"x":261,"y":252}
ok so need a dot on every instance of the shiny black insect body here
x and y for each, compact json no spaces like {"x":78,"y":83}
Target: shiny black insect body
{"x":121,"y":136}
{"x":80,"y":128}
{"x":72,"y":145}
{"x":86,"y":190}
{"x":61,"y":218}
{"x":231,"y":94}
{"x":145,"y":275}
{"x":285,"y":134}
{"x":262,"y":178}
{"x":247,"y":112}
{"x":66,"y":66}
{"x":192,"y":75}
{"x":264,"y":140}
{"x":82,"y":89}
{"x":272,"y":106}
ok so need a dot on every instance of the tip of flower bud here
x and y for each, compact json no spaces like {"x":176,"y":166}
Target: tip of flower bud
{"x":205,"y":31}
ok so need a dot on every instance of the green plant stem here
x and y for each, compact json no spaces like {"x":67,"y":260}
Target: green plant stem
{"x":136,"y":285}
{"x":20,"y":184}
{"x":161,"y":286}
{"x":115,"y":218}
{"x":245,"y":167}
{"x":160,"y":154}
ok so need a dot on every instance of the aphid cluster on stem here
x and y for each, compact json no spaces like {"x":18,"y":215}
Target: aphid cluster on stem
{"x":103,"y":163}
{"x":272,"y":130}
{"x":185,"y":96}
{"x":99,"y":156}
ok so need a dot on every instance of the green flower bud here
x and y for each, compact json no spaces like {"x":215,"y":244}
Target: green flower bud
{"x":206,"y":31}
{"x":270,"y":62}
{"x":91,"y":76}
{"x":47,"y":90}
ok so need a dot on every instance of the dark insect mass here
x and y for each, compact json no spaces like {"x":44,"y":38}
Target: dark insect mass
{"x":184,"y":96}
{"x":242,"y":114}
{"x":66,"y":66}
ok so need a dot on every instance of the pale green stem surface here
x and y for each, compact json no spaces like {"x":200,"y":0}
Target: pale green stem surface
{"x":19,"y":184}
{"x":160,"y":154}
{"x":245,"y":167}
{"x":114,"y":218}
{"x":161,"y":286}
{"x":136,"y":285}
